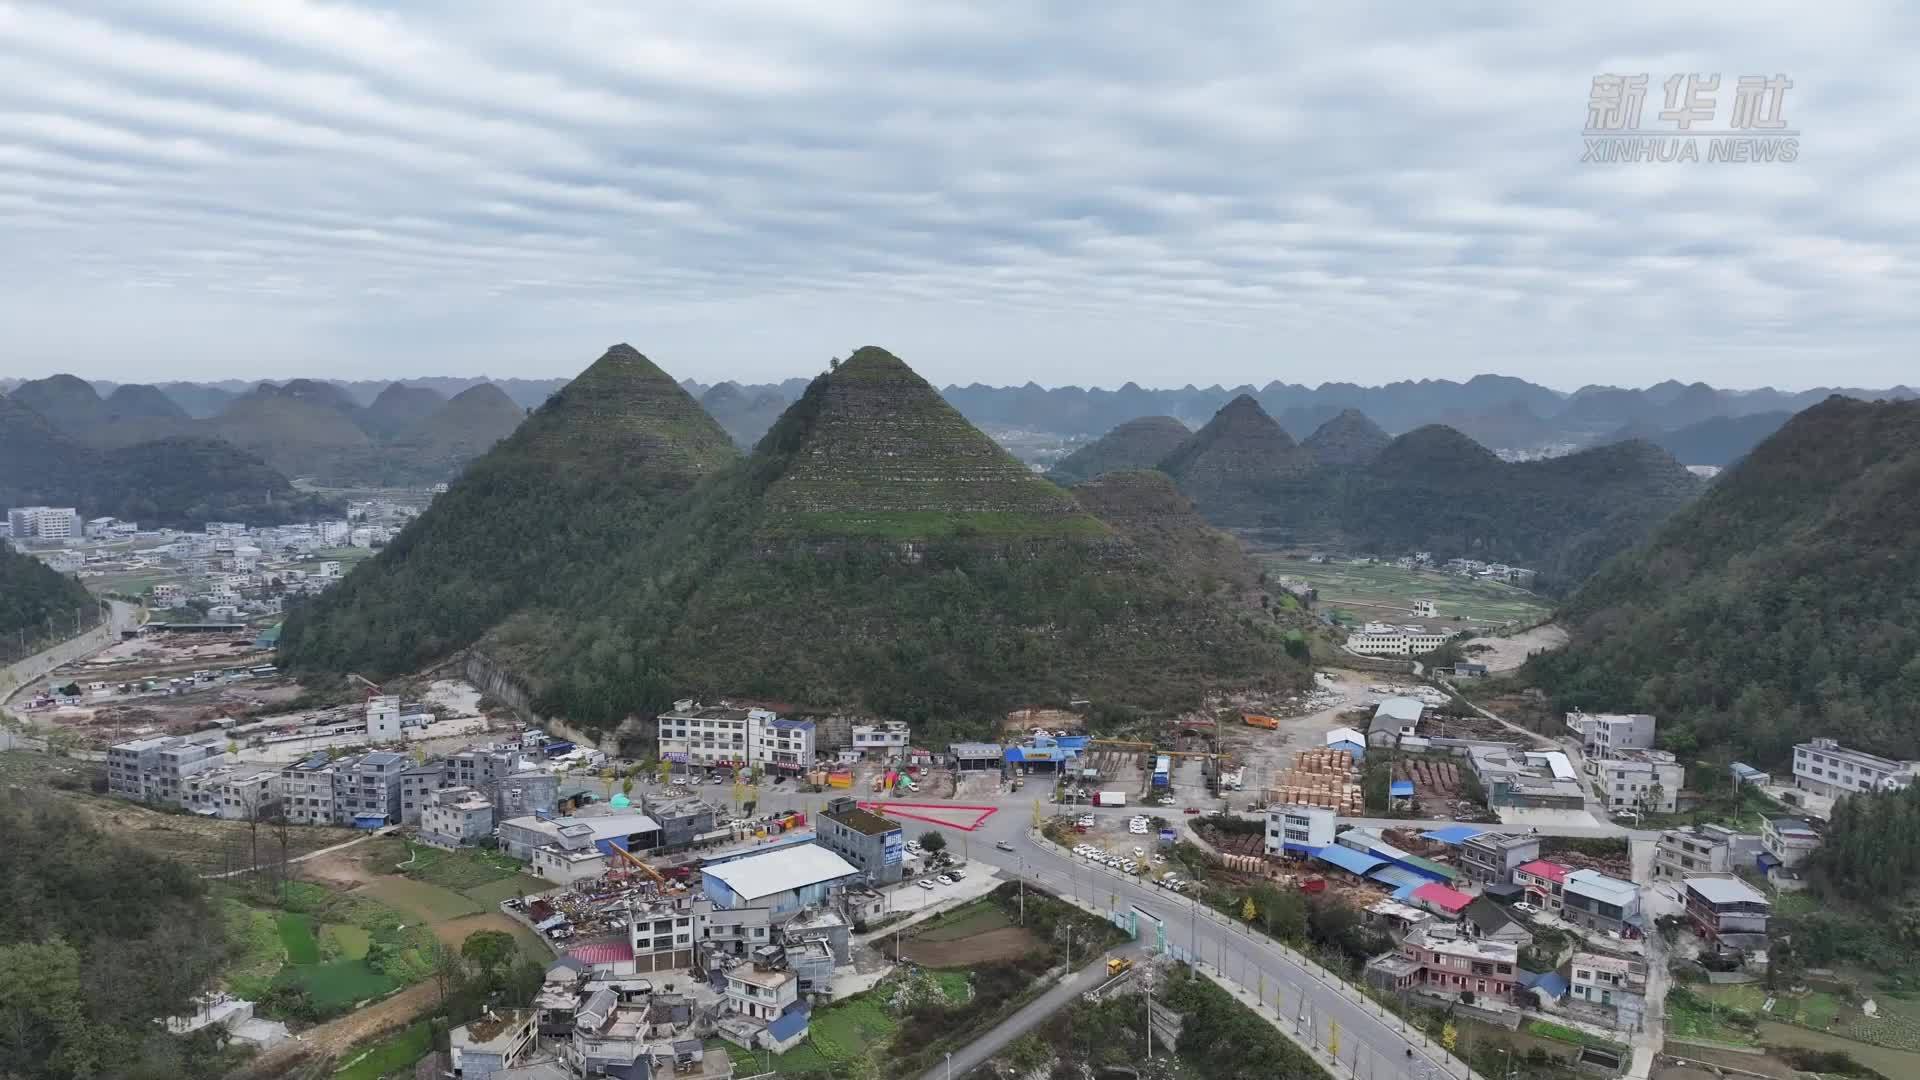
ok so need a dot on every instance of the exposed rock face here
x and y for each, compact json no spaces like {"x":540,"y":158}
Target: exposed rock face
{"x":879,"y":452}
{"x":1238,"y":463}
{"x":1136,"y":444}
{"x":1347,"y":439}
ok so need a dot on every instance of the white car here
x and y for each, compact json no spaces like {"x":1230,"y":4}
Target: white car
{"x":944,"y":879}
{"x":924,"y":883}
{"x":679,"y":781}
{"x":1526,"y":909}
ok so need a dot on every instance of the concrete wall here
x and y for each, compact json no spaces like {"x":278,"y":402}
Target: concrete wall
{"x":18,"y":674}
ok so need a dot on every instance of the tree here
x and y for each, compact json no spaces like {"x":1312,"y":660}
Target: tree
{"x":489,"y":952}
{"x":1449,"y":1037}
{"x":933,"y":842}
{"x":1248,"y":912}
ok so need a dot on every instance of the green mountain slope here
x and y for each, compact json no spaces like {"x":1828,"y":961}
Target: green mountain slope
{"x":1784,"y":604}
{"x":1136,"y":444}
{"x":746,"y":415}
{"x":31,"y":593}
{"x":875,"y":551}
{"x":581,"y":481}
{"x":305,"y":428}
{"x":1349,"y":438}
{"x":1239,"y":464}
{"x":67,"y":402}
{"x":399,"y":408}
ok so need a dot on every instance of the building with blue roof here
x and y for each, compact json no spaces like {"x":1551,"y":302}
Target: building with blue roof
{"x":1357,"y":863}
{"x":1453,"y":835}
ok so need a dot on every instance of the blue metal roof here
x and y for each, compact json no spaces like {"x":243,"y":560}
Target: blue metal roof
{"x":785,"y":724}
{"x":1552,"y":985}
{"x":1349,"y":860}
{"x":1353,"y":748}
{"x":789,"y":1023}
{"x":1401,"y":787}
{"x":1397,"y":876}
{"x":1453,"y":834}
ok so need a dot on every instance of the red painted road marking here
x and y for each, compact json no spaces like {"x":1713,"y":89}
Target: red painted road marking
{"x":904,"y":810}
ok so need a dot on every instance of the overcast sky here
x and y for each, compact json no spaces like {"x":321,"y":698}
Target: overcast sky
{"x":1199,"y":193}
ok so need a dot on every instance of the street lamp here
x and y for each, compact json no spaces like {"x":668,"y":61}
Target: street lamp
{"x":949,"y":1065}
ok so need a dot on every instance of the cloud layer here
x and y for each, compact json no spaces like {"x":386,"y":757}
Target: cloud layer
{"x":1089,"y":194}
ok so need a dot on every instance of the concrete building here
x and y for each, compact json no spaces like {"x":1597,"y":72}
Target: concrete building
{"x":1437,"y":960}
{"x":629,"y":829}
{"x":1613,"y":983}
{"x":684,"y":820}
{"x":529,"y":788}
{"x":456,"y":817}
{"x":1648,"y":781}
{"x":366,"y":789}
{"x":234,"y":793}
{"x":1300,"y":830}
{"x":1525,"y":778}
{"x":874,"y":844}
{"x":779,"y":744}
{"x":733,"y":931}
{"x":306,"y":790}
{"x":884,"y":740}
{"x":129,"y":764}
{"x":1394,"y":719}
{"x":1544,"y":882}
{"x":1728,"y":912}
{"x":976,"y":756}
{"x":383,"y":719}
{"x":1701,"y":850}
{"x":1606,"y":904}
{"x":1382,"y":639}
{"x":45,"y":523}
{"x":1603,"y":733}
{"x":664,"y":932}
{"x":417,"y":785}
{"x":1490,"y":858}
{"x":1788,"y":840}
{"x":499,"y":1041}
{"x":782,"y":880}
{"x":158,"y":770}
{"x":761,"y":993}
{"x":707,"y":736}
{"x":1825,"y":767}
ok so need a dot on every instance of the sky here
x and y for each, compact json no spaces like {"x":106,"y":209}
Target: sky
{"x":1001,"y":193}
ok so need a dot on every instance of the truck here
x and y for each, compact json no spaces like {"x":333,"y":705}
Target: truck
{"x":1259,"y":721}
{"x":1118,"y":964}
{"x":1162,"y":771}
{"x":1110,"y":798}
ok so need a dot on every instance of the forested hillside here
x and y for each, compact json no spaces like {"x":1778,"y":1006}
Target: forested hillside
{"x":581,"y":480}
{"x":98,"y":939}
{"x":1784,"y":604}
{"x":36,"y":602}
{"x":937,"y":581}
{"x":1136,"y":444}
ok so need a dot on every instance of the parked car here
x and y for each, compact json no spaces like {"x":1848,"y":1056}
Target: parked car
{"x":1003,"y":846}
{"x":679,"y":781}
{"x":1526,"y":909}
{"x":1191,"y":810}
{"x":944,"y":879}
{"x":924,"y":883}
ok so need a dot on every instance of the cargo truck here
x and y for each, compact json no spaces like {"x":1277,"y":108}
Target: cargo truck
{"x":1110,"y":798}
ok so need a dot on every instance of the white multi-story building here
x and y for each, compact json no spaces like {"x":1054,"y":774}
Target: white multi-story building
{"x":761,"y":993}
{"x":883,"y":740}
{"x":168,"y":595}
{"x":725,"y":737}
{"x":1381,"y":639}
{"x":1700,"y":850}
{"x":1610,"y":982}
{"x":1603,"y":733}
{"x":332,"y":533}
{"x":1644,"y":780}
{"x":1293,"y":828}
{"x":306,"y":790}
{"x":159,"y":769}
{"x":235,"y":793}
{"x":383,"y":718}
{"x":45,"y":523}
{"x":1788,"y":840}
{"x":1827,"y":768}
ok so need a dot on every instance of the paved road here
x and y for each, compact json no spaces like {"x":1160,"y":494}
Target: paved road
{"x":16,"y":677}
{"x":962,"y":1061}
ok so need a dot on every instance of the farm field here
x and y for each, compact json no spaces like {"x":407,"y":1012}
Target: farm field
{"x":972,"y":934}
{"x":1359,"y":594}
{"x":336,"y":950}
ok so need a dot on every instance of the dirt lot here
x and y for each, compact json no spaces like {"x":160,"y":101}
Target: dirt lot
{"x":337,"y":1037}
{"x":1508,"y":653}
{"x":1266,"y":753}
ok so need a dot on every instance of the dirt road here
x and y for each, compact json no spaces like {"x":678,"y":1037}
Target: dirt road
{"x":336,"y":1037}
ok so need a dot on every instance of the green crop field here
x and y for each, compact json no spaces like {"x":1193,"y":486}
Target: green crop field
{"x":348,"y":941}
{"x":427,"y":901}
{"x":1385,"y":592}
{"x":296,"y":935}
{"x":338,"y":983}
{"x":392,"y":1054}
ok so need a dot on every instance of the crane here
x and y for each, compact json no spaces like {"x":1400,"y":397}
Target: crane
{"x":373,"y":688}
{"x":667,"y":885}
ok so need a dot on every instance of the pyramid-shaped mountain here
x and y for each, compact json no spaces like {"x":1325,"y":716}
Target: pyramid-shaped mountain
{"x":1776,"y":608}
{"x":582,"y":480}
{"x":67,"y":402}
{"x":306,"y":428}
{"x":877,"y":552}
{"x":1144,"y":507}
{"x":1349,"y":438}
{"x":399,"y":408}
{"x":878,"y":452}
{"x":1238,"y":463}
{"x":1137,"y":444}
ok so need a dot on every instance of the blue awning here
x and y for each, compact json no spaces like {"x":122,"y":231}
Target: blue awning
{"x":1398,"y":877}
{"x":1353,"y":862}
{"x":1766,"y":860}
{"x":1453,"y":834}
{"x":1401,"y":787}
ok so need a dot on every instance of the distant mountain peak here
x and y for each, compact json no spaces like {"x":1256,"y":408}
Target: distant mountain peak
{"x":1349,"y":438}
{"x":1137,"y":444}
{"x":622,"y":411}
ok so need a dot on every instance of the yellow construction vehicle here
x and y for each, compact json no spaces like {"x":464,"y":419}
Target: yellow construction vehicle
{"x":1118,"y":964}
{"x":667,"y":884}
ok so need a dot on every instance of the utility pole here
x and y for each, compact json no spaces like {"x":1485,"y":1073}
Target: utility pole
{"x":1146,"y":978}
{"x":1023,"y":890}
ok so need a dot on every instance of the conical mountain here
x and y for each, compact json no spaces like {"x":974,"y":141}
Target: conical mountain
{"x":582,"y":480}
{"x":305,"y":428}
{"x":1238,"y":464}
{"x":138,"y":401}
{"x":1432,"y":450}
{"x":877,"y":552}
{"x":623,"y":412}
{"x":1347,"y":439}
{"x":745,"y":414}
{"x":67,"y":402}
{"x":1144,"y":507}
{"x":1141,"y":443}
{"x":398,"y":409}
{"x":878,"y":452}
{"x":39,"y":465}
{"x":1778,"y":607}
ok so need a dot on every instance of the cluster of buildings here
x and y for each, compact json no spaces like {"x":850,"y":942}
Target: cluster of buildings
{"x":44,"y":523}
{"x":725,"y":737}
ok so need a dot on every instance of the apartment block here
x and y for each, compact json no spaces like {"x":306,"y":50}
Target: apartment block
{"x":235,"y":793}
{"x":306,"y":790}
{"x":884,"y":740}
{"x":157,"y":770}
{"x":1825,"y":767}
{"x":874,"y":844}
{"x":1603,"y":733}
{"x":1491,"y":858}
{"x":1645,"y":780}
{"x":1702,"y":849}
{"x":367,"y":789}
{"x":1292,"y":830}
{"x":417,"y":785}
{"x":1436,"y":960}
{"x":456,"y":817}
{"x":724,"y":737}
{"x":1789,"y":841}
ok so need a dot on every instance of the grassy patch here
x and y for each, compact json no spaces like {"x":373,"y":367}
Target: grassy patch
{"x":1695,"y":1018}
{"x":257,"y":951}
{"x":954,"y":985}
{"x":460,"y":870}
{"x":426,"y":901}
{"x":389,"y":1055}
{"x":490,"y":894}
{"x":338,"y":984}
{"x":1562,"y":1033}
{"x":349,"y":942}
{"x":296,"y":935}
{"x":1379,"y":592}
{"x":976,"y":917}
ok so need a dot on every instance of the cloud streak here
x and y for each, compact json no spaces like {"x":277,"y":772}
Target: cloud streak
{"x":997,"y":192}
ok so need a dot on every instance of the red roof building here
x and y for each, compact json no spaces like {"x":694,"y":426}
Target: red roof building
{"x":1441,"y":900}
{"x":1545,"y":883}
